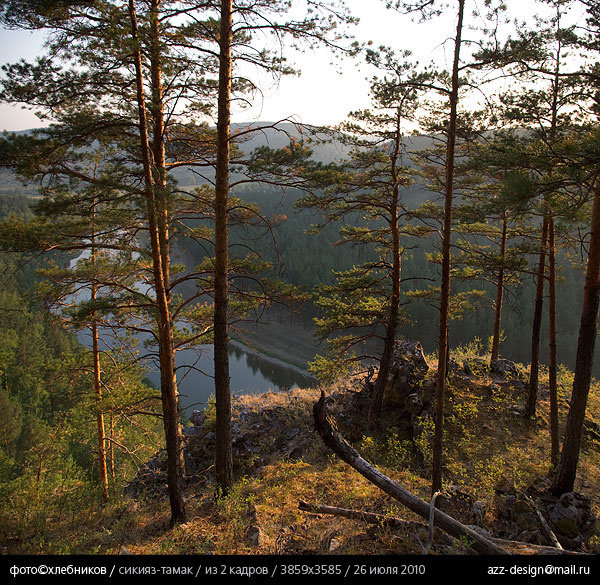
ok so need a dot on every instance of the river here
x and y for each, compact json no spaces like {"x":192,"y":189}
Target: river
{"x":250,"y":371}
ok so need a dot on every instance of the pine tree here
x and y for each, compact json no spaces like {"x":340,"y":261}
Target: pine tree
{"x":89,"y":97}
{"x":235,"y":46}
{"x":363,"y":308}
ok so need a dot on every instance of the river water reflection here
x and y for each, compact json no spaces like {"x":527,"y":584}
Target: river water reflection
{"x":250,"y":373}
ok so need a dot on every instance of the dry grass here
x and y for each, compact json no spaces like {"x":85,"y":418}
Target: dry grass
{"x":487,"y":442}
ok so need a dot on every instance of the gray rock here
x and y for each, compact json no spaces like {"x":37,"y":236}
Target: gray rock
{"x":408,"y":367}
{"x":197,"y":418}
{"x":414,"y":404}
{"x":482,"y":531}
{"x":507,"y":507}
{"x":572,"y":517}
{"x":533,"y":536}
{"x":190,"y":432}
{"x":504,"y":369}
{"x":254,"y":536}
{"x":478,"y":510}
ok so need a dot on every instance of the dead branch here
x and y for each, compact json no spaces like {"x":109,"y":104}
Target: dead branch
{"x":371,"y":518}
{"x":429,"y":542}
{"x":335,"y":441}
{"x":395,"y":522}
{"x":547,"y":530}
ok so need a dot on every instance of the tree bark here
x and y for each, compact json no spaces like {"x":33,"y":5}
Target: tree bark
{"x":552,"y":364}
{"x":102,"y":468}
{"x":554,"y":432}
{"x":564,"y":480}
{"x":537,"y":325}
{"x":224,"y":466}
{"x":392,"y":322}
{"x":111,"y":454}
{"x":158,"y":141}
{"x":169,"y":398}
{"x":499,"y":293}
{"x":436,"y":482}
{"x":335,"y":441}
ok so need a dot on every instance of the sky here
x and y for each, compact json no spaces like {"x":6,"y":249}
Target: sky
{"x":323,"y":93}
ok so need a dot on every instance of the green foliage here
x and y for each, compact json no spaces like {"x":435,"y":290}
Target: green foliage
{"x":47,"y":424}
{"x":210,"y":414}
{"x":424,"y":439}
{"x":391,"y":449}
{"x":328,"y":368}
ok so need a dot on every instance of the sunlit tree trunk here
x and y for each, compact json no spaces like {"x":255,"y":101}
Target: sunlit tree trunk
{"x":436,"y":483}
{"x":564,"y":480}
{"x":169,"y":398}
{"x":111,"y":454}
{"x":552,"y":365}
{"x":158,"y":141}
{"x":102,"y":469}
{"x":499,"y":293}
{"x":537,"y":325}
{"x":224,"y":466}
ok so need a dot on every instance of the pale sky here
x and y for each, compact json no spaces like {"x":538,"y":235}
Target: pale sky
{"x":322,"y":94}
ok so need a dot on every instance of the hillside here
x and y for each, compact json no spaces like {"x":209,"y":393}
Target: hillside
{"x":495,"y":460}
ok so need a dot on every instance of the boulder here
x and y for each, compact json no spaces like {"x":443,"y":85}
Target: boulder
{"x":503,"y":368}
{"x":254,"y":536}
{"x":457,"y":503}
{"x":408,"y":369}
{"x":572,"y":519}
{"x":190,"y":432}
{"x":478,"y":512}
{"x":197,"y":418}
{"x":414,"y":404}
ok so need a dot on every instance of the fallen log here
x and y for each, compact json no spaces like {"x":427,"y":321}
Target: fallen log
{"x":395,"y":522}
{"x":327,"y":429}
{"x":369,"y":517}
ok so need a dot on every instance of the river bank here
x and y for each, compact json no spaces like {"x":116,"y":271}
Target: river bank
{"x":267,"y":357}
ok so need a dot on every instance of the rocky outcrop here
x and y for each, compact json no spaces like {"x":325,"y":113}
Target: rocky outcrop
{"x":265,"y":428}
{"x":570,"y":517}
{"x":408,"y":369}
{"x":504,"y":369}
{"x":408,"y":386}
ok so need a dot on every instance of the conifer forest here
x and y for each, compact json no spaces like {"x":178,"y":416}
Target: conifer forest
{"x":230,"y":331}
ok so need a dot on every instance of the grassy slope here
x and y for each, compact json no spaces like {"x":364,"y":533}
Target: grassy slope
{"x":487,"y":443}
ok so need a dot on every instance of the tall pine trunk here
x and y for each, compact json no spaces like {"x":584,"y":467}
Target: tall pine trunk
{"x":158,"y":141}
{"x":564,"y":480}
{"x":499,"y":293}
{"x":168,"y":372}
{"x":224,"y":466}
{"x":537,"y":325}
{"x":552,"y":385}
{"x":392,"y":320}
{"x":111,"y":454}
{"x":436,"y":483}
{"x":102,"y":468}
{"x":169,"y":398}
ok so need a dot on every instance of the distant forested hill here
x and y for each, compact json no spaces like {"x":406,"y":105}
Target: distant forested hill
{"x":308,"y":259}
